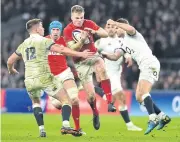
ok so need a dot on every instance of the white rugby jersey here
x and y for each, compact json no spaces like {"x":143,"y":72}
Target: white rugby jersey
{"x":109,"y":45}
{"x":137,"y":47}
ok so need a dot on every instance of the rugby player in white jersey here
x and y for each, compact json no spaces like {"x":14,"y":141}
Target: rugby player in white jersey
{"x":114,"y":70}
{"x":135,"y":44}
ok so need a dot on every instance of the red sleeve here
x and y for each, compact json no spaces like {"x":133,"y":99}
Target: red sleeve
{"x":93,"y":25}
{"x":68,"y":34}
{"x":48,"y":36}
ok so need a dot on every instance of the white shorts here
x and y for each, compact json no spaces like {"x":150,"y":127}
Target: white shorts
{"x":65,"y":75}
{"x":150,"y":71}
{"x":115,"y":79}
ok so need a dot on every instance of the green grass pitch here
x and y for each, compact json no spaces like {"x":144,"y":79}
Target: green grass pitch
{"x":23,"y":128}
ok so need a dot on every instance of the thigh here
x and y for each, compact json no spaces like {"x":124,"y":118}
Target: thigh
{"x":84,"y":72}
{"x":62,"y":96}
{"x":115,"y":83}
{"x":89,"y":88}
{"x":143,"y":87}
{"x":52,"y":86}
{"x":150,"y":72}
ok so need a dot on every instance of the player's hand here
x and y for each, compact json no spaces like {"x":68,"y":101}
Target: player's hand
{"x":90,"y":30}
{"x":84,"y":36}
{"x":129,"y":61}
{"x":13,"y":71}
{"x":87,"y":54}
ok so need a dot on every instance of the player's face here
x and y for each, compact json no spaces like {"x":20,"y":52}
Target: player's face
{"x":111,"y":30}
{"x":40,"y":29}
{"x":120,"y":32}
{"x":77,"y":18}
{"x":55,"y":33}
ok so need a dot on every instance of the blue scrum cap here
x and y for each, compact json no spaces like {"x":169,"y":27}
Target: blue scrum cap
{"x":55,"y":24}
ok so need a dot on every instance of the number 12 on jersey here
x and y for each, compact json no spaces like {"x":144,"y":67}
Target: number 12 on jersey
{"x":30,"y":53}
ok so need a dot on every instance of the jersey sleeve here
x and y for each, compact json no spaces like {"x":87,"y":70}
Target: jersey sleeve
{"x":98,"y":45}
{"x":48,"y":43}
{"x":19,"y":50}
{"x":93,"y":25}
{"x":121,"y":48}
{"x":67,"y":34}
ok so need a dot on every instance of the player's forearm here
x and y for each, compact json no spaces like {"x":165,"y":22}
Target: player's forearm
{"x":102,"y":33}
{"x":128,"y":28}
{"x":10,"y":65}
{"x":75,"y":46}
{"x":112,"y":57}
{"x":66,"y":51}
{"x":11,"y":60}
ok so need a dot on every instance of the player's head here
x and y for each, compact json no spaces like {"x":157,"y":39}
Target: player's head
{"x":35,"y":26}
{"x":111,"y":30}
{"x":55,"y":28}
{"x":77,"y":15}
{"x":121,"y":32}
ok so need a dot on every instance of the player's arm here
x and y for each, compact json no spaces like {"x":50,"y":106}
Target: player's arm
{"x":128,"y":28}
{"x":77,"y":45}
{"x":113,"y":56}
{"x":98,"y":46}
{"x":128,"y":59}
{"x":69,"y":52}
{"x":100,"y":32}
{"x":10,"y":63}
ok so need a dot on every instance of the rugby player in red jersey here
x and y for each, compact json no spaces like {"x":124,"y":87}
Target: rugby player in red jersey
{"x":84,"y":30}
{"x":62,"y":72}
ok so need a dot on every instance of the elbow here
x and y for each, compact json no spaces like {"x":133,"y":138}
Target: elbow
{"x":131,"y":30}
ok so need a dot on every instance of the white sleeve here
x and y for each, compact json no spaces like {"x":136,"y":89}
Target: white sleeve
{"x":98,"y":45}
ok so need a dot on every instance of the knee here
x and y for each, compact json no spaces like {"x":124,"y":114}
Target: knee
{"x":73,"y":95}
{"x":91,"y":97}
{"x":75,"y":101}
{"x":36,"y":100}
{"x":56,"y":103}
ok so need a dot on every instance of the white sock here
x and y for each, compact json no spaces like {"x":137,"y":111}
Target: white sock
{"x":161,"y":115}
{"x":41,"y":127}
{"x":152,"y":116}
{"x":104,"y":97}
{"x":122,"y":108}
{"x":66,"y":123}
{"x":129,"y":124}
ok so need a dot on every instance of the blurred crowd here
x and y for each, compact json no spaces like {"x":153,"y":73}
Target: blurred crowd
{"x":158,"y":21}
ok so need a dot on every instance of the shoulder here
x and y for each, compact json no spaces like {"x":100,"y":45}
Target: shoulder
{"x":61,"y":41}
{"x":68,"y":27}
{"x":48,"y":36}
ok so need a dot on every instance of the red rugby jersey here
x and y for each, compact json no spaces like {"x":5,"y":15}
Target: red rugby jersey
{"x":87,"y":24}
{"x":57,"y":62}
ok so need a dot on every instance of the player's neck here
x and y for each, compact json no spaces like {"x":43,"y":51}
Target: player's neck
{"x":55,"y":39}
{"x":112,"y":36}
{"x":34,"y":33}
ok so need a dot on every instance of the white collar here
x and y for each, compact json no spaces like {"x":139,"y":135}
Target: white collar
{"x":34,"y":35}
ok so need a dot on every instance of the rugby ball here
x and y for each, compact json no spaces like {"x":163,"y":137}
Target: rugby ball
{"x":76,"y":34}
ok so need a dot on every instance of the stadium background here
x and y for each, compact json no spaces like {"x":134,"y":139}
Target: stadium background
{"x":157,"y":20}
